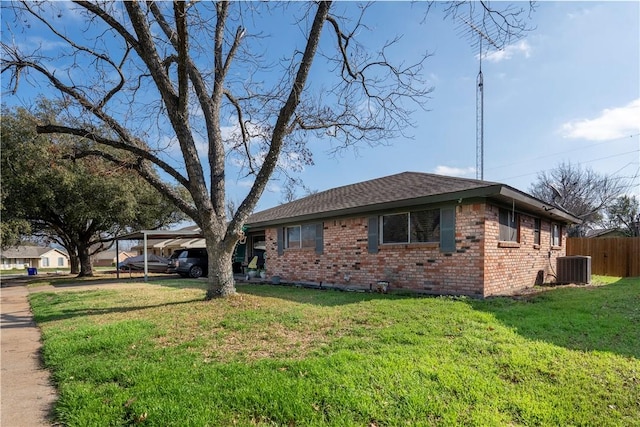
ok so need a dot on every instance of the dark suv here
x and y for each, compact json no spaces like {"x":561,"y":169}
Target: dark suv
{"x":173,"y":261}
{"x":193,"y":263}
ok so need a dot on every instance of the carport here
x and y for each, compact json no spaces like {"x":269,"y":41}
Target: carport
{"x":144,"y":235}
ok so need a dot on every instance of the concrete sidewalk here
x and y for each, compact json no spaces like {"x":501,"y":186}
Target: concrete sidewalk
{"x":26,"y":394}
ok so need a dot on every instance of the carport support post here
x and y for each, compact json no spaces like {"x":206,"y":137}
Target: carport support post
{"x":117,"y":261}
{"x":146,"y":267}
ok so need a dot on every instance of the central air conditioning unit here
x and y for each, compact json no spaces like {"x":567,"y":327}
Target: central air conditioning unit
{"x":574,"y":269}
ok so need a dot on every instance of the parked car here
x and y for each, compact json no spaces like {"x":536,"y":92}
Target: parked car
{"x":193,"y":263}
{"x":172,"y":265}
{"x":155,"y":263}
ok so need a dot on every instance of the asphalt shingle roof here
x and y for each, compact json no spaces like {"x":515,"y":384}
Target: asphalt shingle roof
{"x":25,"y":252}
{"x":400,"y":187}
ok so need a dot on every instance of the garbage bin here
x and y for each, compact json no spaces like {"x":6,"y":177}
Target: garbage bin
{"x":31,"y":271}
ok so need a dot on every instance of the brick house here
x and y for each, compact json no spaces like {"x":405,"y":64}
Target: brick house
{"x":421,"y":232}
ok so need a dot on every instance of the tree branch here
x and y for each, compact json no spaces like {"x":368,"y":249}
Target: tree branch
{"x":284,"y":117}
{"x":140,"y":152}
{"x":147,"y":173}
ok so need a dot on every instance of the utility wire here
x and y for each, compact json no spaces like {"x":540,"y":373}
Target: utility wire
{"x":577,"y":163}
{"x":564,"y":152}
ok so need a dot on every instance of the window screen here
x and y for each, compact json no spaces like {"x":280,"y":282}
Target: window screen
{"x":536,"y":231}
{"x":508,"y":225}
{"x":556,"y":240}
{"x":395,"y":228}
{"x":293,"y":237}
{"x":425,"y":226}
{"x":308,"y":236}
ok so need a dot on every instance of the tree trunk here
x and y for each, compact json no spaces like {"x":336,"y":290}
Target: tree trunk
{"x":74,"y":261}
{"x":221,"y":281}
{"x":86,"y":270}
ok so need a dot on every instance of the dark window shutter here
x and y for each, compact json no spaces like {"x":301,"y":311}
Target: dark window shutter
{"x":280,"y":232}
{"x":448,"y":229}
{"x":319,"y":238}
{"x":372,"y":234}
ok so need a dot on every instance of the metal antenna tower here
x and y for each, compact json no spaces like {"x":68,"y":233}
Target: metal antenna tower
{"x":480,"y":121}
{"x":474,"y":30}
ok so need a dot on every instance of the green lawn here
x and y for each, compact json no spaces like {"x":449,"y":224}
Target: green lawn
{"x":24,"y":271}
{"x":275,"y":355}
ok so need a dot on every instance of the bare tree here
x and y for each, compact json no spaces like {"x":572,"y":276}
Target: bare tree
{"x":190,"y":73}
{"x":580,"y":191}
{"x":488,"y":27}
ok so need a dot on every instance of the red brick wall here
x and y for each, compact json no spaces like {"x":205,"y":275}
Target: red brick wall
{"x":477,"y":268}
{"x":510,"y":267}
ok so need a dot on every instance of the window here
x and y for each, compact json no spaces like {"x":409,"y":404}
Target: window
{"x":509,"y":226}
{"x":425,"y":226}
{"x":45,"y":262}
{"x":536,"y":231}
{"x":292,"y":237}
{"x":308,"y":235}
{"x":300,"y":236}
{"x":60,"y":262}
{"x":556,"y":235}
{"x":395,"y":228}
{"x":411,"y":227}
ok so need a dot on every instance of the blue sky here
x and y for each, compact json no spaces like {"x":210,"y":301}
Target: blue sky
{"x":567,"y":92}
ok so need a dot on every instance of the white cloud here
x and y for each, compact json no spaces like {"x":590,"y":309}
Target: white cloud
{"x":42,"y":44}
{"x":580,"y":13}
{"x":292,"y":162}
{"x":450,"y":171}
{"x":245,"y":183}
{"x":612,"y":123}
{"x":170,"y":145}
{"x":508,"y":52}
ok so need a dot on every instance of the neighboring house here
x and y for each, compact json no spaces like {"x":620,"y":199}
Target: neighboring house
{"x":108,"y":258}
{"x":35,"y":257}
{"x":604,"y":233}
{"x":421,"y":232}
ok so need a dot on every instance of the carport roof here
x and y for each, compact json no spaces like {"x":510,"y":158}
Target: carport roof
{"x":162,"y":234}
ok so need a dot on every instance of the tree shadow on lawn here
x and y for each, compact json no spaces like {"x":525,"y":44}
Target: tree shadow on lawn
{"x":325,"y":297}
{"x":585,"y":318}
{"x":63,"y":314}
{"x":316,"y":295}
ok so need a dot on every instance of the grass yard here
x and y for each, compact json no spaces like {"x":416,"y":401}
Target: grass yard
{"x":24,"y":271}
{"x":161,"y":356}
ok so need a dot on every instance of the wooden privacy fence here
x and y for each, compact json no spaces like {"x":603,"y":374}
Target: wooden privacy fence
{"x":616,"y":256}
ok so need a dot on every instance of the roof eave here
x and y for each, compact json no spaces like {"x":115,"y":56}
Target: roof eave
{"x":458,"y":196}
{"x":537,"y":206}
{"x":498,"y":192}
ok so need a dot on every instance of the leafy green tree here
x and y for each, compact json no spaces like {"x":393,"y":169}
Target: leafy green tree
{"x":81,"y":204}
{"x":12,"y":230}
{"x":624,"y":215}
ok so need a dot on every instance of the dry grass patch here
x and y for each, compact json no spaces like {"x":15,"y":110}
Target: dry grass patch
{"x":247,"y":328}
